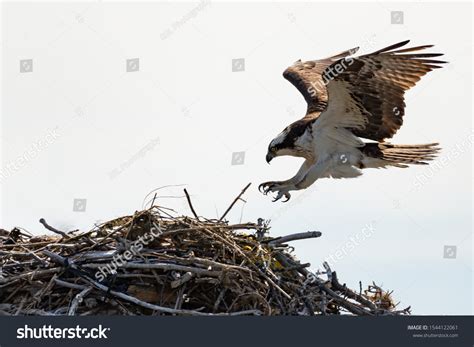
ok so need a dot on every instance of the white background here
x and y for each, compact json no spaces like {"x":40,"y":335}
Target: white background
{"x":187,"y":112}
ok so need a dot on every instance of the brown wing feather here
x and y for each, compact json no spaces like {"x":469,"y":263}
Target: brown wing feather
{"x":377,"y":82}
{"x":308,"y":78}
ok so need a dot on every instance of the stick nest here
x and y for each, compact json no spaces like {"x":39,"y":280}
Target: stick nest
{"x":155,"y":263}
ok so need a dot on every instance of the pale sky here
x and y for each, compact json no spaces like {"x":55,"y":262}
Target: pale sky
{"x":78,"y":125}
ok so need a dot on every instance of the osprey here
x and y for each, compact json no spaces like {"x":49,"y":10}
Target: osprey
{"x":350,"y":98}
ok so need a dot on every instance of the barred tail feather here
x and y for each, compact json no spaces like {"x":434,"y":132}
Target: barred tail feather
{"x":402,"y":155}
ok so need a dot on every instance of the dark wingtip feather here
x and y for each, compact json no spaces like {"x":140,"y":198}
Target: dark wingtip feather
{"x":411,"y":49}
{"x":434,"y":66}
{"x":421,"y":55}
{"x":432,"y":61}
{"x":392,"y":47}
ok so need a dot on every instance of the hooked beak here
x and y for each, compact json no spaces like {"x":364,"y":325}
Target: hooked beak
{"x":269,"y":157}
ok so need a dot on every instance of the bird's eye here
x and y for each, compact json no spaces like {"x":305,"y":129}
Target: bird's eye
{"x":273,"y":149}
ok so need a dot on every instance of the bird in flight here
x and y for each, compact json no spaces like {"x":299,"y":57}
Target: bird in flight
{"x":350,"y":99}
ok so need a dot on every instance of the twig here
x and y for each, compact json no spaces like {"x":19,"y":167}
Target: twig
{"x":77,"y":300}
{"x":292,"y":237}
{"x":161,"y":266}
{"x":54,"y":230}
{"x":190,"y":204}
{"x":166,"y":309}
{"x":33,"y":274}
{"x":353,"y":308}
{"x":235,"y":200}
{"x":69,"y":285}
{"x":183,"y":279}
{"x":153,"y":201}
{"x":351,"y":294}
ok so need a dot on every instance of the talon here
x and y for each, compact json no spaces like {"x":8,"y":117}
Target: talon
{"x":261,"y":187}
{"x":278,"y":197}
{"x":266,"y":187}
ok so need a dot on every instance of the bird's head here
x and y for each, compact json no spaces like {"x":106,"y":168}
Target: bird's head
{"x":287,"y":143}
{"x":273,"y":149}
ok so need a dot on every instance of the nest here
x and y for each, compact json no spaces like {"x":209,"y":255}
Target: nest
{"x":156,"y":263}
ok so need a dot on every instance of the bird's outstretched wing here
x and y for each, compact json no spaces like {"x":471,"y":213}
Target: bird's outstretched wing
{"x":372,"y":87}
{"x":365,"y":93}
{"x":309,"y":78}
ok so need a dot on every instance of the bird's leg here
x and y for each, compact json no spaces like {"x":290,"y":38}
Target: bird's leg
{"x":283,"y":187}
{"x":317,"y":171}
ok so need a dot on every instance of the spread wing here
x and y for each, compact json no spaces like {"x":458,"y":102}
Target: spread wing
{"x":365,"y":94}
{"x":309,"y":78}
{"x":372,"y":87}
